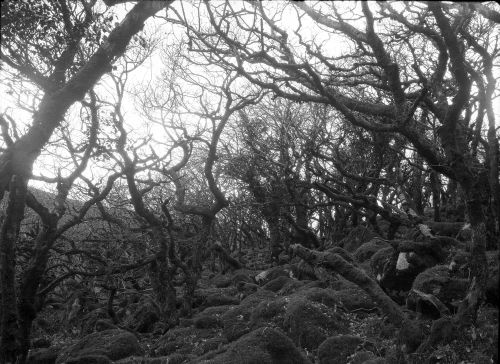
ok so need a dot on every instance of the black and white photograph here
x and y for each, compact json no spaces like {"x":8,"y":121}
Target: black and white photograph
{"x":249,"y":182}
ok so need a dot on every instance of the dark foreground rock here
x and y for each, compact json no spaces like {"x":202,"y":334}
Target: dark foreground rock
{"x":44,"y":355}
{"x":265,"y":345}
{"x":113,"y":344}
{"x":438,"y":282}
{"x":339,"y":349}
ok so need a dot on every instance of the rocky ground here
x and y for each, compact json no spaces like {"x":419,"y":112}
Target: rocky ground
{"x":291,"y":313}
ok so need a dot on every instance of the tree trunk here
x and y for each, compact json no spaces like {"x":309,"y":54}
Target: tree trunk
{"x":8,"y":238}
{"x":436,"y":199}
{"x":275,"y":236}
{"x":27,"y":306}
{"x":478,"y":266}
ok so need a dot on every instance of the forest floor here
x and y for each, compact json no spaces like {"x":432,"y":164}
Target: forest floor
{"x":288,"y":313}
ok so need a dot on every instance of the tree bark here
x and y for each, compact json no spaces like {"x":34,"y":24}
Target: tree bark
{"x":436,"y":199}
{"x":8,"y":238}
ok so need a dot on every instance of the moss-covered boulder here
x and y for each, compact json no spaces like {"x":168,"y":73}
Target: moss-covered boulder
{"x":361,"y":357}
{"x":114,"y":344}
{"x":220,"y":300}
{"x":189,"y":340}
{"x":291,"y":287}
{"x":309,"y":323}
{"x":236,"y":321}
{"x":90,"y":320}
{"x":438,"y":282}
{"x":144,"y":317}
{"x":269,"y":313}
{"x":325,"y":296}
{"x":207,"y":322}
{"x":276,"y":284}
{"x":368,"y":249}
{"x":89,"y":359}
{"x":355,"y":300}
{"x":265,"y":345}
{"x":44,"y":355}
{"x":338,"y":349}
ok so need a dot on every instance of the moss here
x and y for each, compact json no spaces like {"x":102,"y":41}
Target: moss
{"x":268,"y":311}
{"x":236,"y":320}
{"x":221,"y":300}
{"x":183,"y":340}
{"x":265,"y":345}
{"x":277,"y":283}
{"x":368,"y":249}
{"x":432,"y":279}
{"x":325,"y":296}
{"x":309,"y":323}
{"x":355,"y":299}
{"x":115,"y":344}
{"x":207,"y":322}
{"x":357,"y":237}
{"x":379,"y":260}
{"x":337,"y":349}
{"x":90,"y":359}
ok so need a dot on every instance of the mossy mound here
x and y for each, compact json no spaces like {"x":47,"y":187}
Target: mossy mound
{"x":114,"y":344}
{"x":337,"y":349}
{"x":276,"y":284}
{"x":309,"y":323}
{"x":189,"y":340}
{"x":236,"y":320}
{"x":265,"y":345}
{"x":368,"y":249}
{"x":437,"y":282}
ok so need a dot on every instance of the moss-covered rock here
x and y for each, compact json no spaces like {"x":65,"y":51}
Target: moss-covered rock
{"x":44,"y":355}
{"x":269,"y":312}
{"x":236,"y":320}
{"x":355,"y":299}
{"x":90,"y":320}
{"x":220,"y":300}
{"x":188,"y":340}
{"x":368,"y":249}
{"x":276,"y":284}
{"x":291,"y":287}
{"x":337,"y":349}
{"x":89,"y":359}
{"x":309,"y":323}
{"x":325,"y":296}
{"x":207,"y":322}
{"x":361,"y":357}
{"x":265,"y":345}
{"x":114,"y":344}
{"x":144,"y":317}
{"x":438,"y":282}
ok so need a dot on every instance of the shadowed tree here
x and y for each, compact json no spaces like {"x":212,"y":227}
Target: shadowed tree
{"x":50,"y":52}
